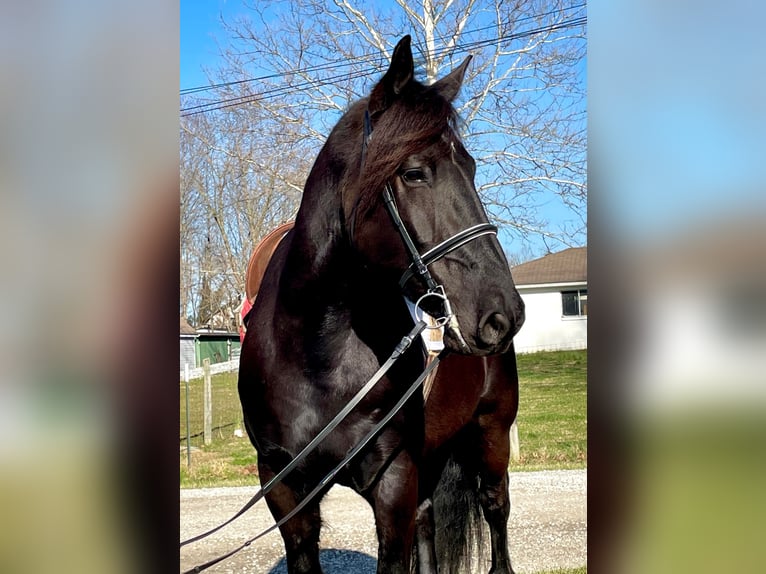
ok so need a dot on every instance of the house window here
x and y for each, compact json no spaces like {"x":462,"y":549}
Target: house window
{"x":574,"y":303}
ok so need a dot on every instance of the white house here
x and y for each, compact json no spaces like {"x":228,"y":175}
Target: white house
{"x":555,"y":291}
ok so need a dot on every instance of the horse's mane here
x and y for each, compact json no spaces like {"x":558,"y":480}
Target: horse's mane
{"x":415,"y":120}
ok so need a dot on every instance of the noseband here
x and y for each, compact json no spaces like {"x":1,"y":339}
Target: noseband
{"x":419,"y":263}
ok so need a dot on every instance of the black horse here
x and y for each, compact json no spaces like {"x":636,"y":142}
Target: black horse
{"x":331,"y":309}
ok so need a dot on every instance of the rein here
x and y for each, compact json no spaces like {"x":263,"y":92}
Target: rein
{"x":326,"y":480}
{"x":403,"y":345}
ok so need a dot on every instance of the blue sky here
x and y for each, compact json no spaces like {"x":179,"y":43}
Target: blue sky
{"x":200,"y":28}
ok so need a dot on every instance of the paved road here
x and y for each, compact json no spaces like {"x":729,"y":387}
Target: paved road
{"x":547,"y":530}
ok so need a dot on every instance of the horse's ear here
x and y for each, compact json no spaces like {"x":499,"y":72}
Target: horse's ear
{"x":399,"y":73}
{"x":449,"y":86}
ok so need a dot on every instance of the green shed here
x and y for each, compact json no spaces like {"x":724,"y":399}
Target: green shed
{"x":218,"y":346}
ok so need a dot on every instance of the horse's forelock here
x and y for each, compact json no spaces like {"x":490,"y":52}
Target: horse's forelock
{"x":410,"y":125}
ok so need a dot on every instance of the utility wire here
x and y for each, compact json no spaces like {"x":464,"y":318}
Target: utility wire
{"x":363,"y":59}
{"x":281,"y":90}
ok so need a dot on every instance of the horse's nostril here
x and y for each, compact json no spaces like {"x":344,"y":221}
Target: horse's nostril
{"x":493,"y":329}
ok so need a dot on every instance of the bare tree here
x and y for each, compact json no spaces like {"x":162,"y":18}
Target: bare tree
{"x":523,"y":103}
{"x":235,"y":188}
{"x":293,"y":67}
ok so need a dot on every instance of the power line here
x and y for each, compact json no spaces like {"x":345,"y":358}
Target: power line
{"x":274,"y":92}
{"x":363,"y":59}
{"x":368,"y":58}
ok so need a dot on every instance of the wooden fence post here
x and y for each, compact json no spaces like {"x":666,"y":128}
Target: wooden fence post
{"x":515,"y":450}
{"x":188,"y":432}
{"x":208,"y":402}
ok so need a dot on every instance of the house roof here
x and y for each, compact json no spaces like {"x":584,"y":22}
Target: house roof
{"x":568,"y":266}
{"x":187,"y":329}
{"x":216,"y":333}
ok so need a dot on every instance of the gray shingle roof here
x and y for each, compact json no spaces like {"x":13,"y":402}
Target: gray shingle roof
{"x":187,"y":329}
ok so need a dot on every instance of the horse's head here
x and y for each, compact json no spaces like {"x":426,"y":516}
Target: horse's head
{"x":415,"y":198}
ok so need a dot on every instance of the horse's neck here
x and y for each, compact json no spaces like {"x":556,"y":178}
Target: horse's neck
{"x":315,"y":269}
{"x":335,"y":294}
{"x":315,"y":264}
{"x":322,"y":280}
{"x":315,"y":277}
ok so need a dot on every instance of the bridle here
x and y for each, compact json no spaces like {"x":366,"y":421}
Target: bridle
{"x":418,"y":267}
{"x":419,"y":263}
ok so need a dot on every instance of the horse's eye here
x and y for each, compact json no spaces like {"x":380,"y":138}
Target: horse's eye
{"x":414,"y":176}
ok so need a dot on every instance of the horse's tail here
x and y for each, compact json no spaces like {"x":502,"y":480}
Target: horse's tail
{"x":458,"y":519}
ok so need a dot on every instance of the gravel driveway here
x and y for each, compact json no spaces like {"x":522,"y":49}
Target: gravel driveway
{"x":547,"y":530}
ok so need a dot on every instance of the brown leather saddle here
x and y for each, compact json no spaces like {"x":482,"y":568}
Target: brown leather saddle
{"x":260,"y":258}
{"x":256,"y":267}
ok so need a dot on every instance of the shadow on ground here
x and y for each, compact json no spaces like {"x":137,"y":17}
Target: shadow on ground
{"x":338,"y":562}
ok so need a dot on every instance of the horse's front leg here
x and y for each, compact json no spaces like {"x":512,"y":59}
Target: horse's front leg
{"x":493,"y":495}
{"x":394,"y":501}
{"x":300,"y":533}
{"x":496,"y":505}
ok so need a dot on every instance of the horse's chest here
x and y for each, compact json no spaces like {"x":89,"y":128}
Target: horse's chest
{"x":306,"y":401}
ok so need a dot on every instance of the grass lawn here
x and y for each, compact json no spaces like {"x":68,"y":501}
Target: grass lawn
{"x":552,"y":417}
{"x":552,"y":423}
{"x":229,"y":460}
